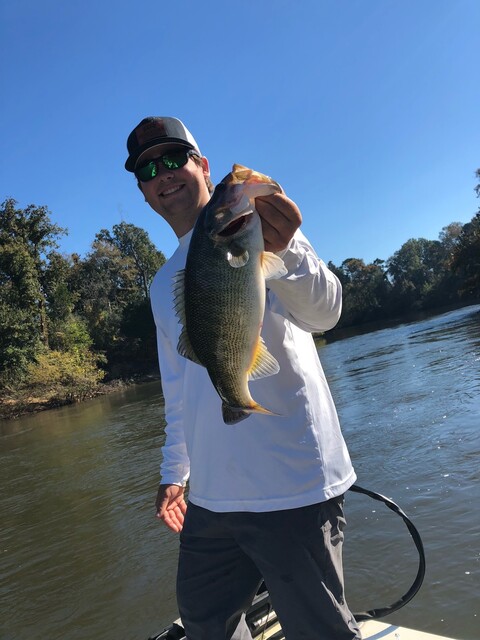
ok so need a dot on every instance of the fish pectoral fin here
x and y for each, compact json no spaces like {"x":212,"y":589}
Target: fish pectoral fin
{"x":263,"y":364}
{"x":185,"y":349}
{"x":273,"y":267}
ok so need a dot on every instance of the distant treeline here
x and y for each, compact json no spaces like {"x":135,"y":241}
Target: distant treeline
{"x":68,"y":323}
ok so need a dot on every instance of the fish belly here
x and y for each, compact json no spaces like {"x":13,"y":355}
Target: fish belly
{"x":224,"y":310}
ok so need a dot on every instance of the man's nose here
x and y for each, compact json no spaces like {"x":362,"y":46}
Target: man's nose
{"x":163,"y":174}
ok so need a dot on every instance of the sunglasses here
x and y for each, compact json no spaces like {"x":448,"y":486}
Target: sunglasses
{"x":171,"y":160}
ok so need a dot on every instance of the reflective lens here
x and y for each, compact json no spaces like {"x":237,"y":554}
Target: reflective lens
{"x":171,"y":161}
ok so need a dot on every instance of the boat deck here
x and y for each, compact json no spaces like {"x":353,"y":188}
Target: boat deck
{"x":263,"y":624}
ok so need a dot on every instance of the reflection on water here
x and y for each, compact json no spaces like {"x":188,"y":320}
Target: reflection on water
{"x":408,"y":398}
{"x":82,"y":556}
{"x":80,"y":545}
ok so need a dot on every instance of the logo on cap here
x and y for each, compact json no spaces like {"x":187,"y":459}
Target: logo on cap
{"x":151,"y":130}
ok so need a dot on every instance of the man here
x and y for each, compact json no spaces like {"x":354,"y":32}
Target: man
{"x":265,"y":495}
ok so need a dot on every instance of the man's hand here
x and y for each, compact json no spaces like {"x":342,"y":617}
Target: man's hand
{"x":171,"y":506}
{"x":280,"y":219}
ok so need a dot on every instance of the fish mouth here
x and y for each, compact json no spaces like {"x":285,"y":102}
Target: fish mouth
{"x":234,"y":227}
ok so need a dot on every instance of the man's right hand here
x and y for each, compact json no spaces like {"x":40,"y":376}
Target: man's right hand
{"x":171,"y":506}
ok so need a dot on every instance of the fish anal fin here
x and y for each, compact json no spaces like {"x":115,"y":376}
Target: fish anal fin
{"x":263,"y":363}
{"x":273,"y":267}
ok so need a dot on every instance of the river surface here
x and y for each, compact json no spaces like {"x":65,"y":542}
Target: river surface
{"x":82,"y":557}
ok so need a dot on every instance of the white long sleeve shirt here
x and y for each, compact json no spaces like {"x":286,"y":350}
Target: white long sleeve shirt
{"x":264,"y":463}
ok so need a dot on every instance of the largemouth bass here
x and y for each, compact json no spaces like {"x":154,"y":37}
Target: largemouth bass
{"x":220,"y":295}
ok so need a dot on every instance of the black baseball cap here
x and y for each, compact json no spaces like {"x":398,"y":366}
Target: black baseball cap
{"x":156,"y":131}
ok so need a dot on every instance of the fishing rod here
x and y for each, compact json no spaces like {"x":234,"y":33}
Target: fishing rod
{"x":259,"y":615}
{"x":417,"y":583}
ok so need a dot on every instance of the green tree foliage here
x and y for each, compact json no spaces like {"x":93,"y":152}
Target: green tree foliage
{"x":113,"y":284}
{"x":422,"y":274}
{"x":60,"y":296}
{"x":65,"y":321}
{"x":465,"y":256}
{"x":136,"y":248}
{"x":101,"y":282}
{"x":465,"y":260}
{"x":65,"y":375}
{"x":365,"y":290}
{"x":25,"y":237}
{"x":415,"y":270}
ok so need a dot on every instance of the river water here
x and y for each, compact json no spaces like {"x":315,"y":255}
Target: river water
{"x":82,"y":557}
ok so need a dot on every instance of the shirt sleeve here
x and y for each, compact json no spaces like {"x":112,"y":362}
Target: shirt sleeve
{"x":175,"y":465}
{"x":309,"y":295}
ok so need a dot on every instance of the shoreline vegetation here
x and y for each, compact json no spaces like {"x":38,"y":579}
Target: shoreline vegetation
{"x":73,"y":328}
{"x":25,"y":403}
{"x":14,"y":406}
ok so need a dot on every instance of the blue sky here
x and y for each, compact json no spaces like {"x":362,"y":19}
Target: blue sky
{"x":366,"y":111}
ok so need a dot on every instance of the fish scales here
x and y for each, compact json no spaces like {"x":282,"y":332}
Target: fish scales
{"x":225,"y":313}
{"x":220,"y":296}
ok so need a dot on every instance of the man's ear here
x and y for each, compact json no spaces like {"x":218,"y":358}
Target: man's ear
{"x":205,"y":166}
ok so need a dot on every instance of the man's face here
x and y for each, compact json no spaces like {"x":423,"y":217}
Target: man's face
{"x":178,"y":195}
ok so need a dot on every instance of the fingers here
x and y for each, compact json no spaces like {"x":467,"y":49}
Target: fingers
{"x":280,"y":219}
{"x":173,"y":516}
{"x":171,"y":506}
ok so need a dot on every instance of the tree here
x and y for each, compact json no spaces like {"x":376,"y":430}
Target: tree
{"x":465,"y":259}
{"x":449,"y":237}
{"x":135,"y":245}
{"x":365,"y":291}
{"x":25,"y":237}
{"x":59,"y":295}
{"x":113,"y":284}
{"x":414,"y":270}
{"x":102,"y":284}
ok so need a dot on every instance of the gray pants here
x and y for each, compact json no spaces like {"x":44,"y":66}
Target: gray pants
{"x":298,"y":552}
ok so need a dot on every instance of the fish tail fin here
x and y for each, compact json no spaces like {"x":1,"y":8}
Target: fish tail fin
{"x":232,"y":415}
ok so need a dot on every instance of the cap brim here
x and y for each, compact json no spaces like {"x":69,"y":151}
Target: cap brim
{"x":132,"y":161}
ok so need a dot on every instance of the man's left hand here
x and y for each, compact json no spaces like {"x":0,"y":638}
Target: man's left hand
{"x":280,"y":219}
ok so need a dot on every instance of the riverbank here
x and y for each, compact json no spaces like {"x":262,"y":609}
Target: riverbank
{"x":23,"y":402}
{"x":388,"y":323}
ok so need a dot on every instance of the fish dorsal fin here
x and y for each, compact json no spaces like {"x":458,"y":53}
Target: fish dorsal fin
{"x":184,"y":346}
{"x":256,"y":183}
{"x":273,"y":267}
{"x":263,"y":363}
{"x":178,"y":290}
{"x":185,"y":349}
